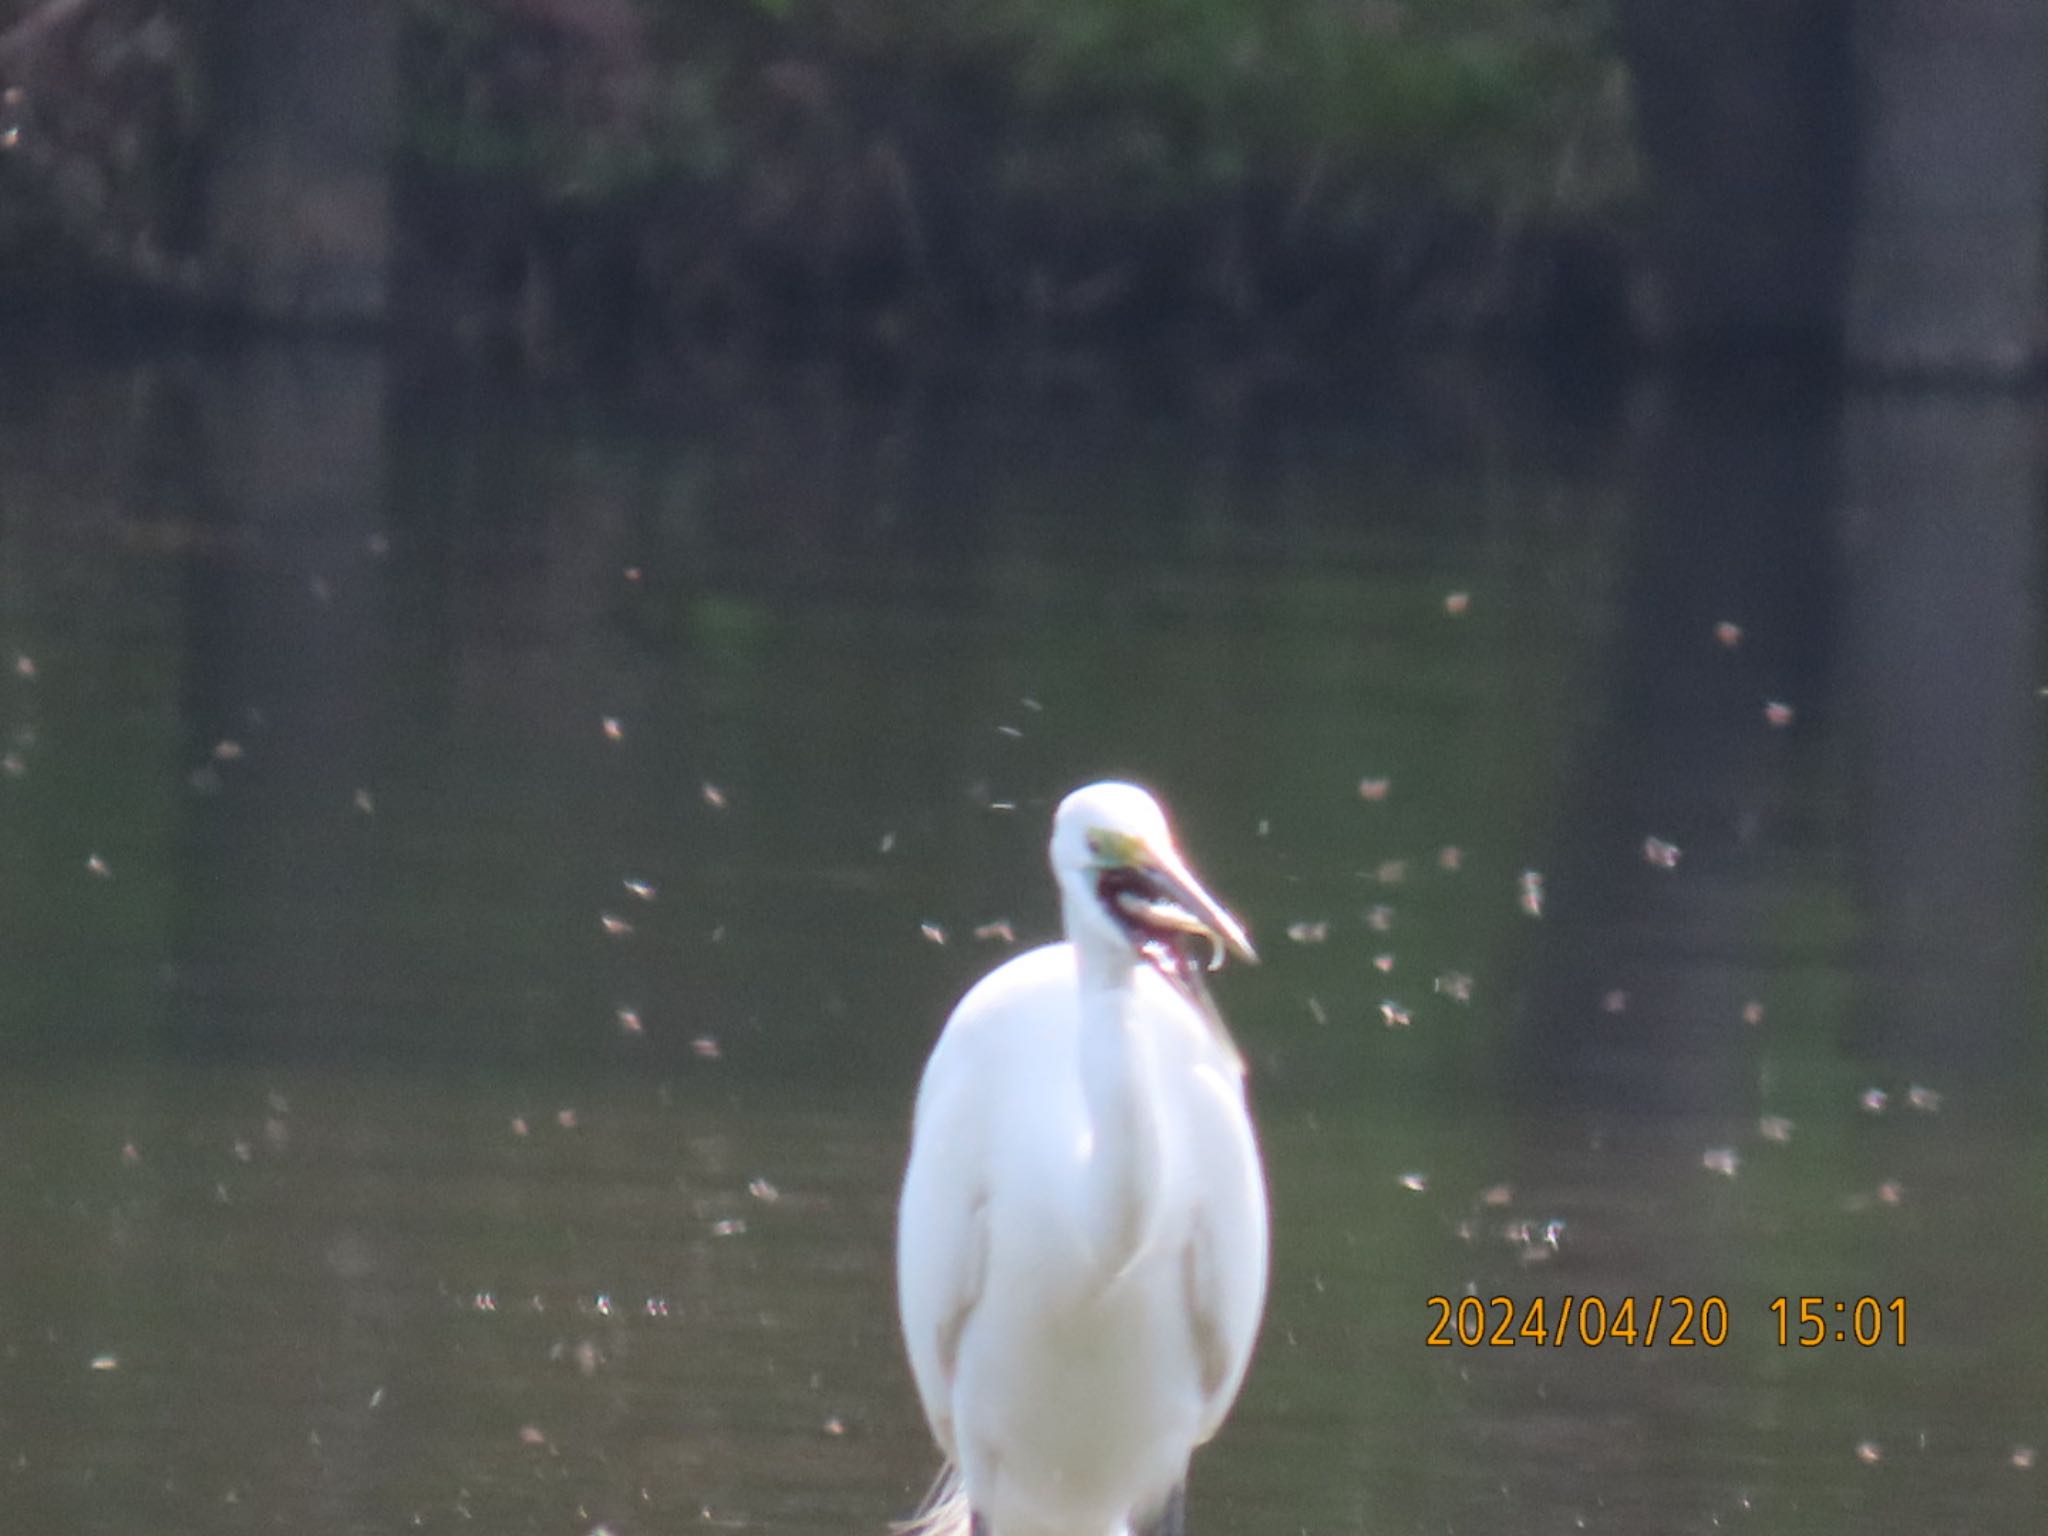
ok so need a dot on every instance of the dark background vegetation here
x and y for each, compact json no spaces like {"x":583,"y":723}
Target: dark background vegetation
{"x":573,"y":179}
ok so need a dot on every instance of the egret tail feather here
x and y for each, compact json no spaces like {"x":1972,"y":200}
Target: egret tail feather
{"x":945,"y":1511}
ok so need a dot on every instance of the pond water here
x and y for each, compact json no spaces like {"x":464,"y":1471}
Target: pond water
{"x":482,"y":870}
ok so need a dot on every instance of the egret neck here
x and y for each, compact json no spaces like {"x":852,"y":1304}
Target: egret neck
{"x":1126,"y":1151}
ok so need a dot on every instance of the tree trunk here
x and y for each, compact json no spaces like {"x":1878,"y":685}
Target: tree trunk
{"x":300,"y":194}
{"x":1745,"y":115}
{"x":1947,"y":251}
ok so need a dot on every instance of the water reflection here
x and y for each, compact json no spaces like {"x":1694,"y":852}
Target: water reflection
{"x":359,"y":1174}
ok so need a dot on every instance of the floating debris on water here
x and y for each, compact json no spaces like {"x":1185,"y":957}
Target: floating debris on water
{"x":933,"y":933}
{"x":1497,"y":1194}
{"x":1317,"y":1012}
{"x":1529,"y":893}
{"x":1374,"y":790}
{"x":1455,"y":985}
{"x":613,"y":730}
{"x":1391,"y":872}
{"x":1616,"y":1001}
{"x":1873,"y":1100}
{"x":713,"y":796}
{"x":1659,"y":853}
{"x":1728,"y":633}
{"x":566,"y":1119}
{"x":532,"y":1434}
{"x":1010,"y":731}
{"x":227,"y":751}
{"x":732,"y":1226}
{"x":1393,"y":1015}
{"x":706,"y":1048}
{"x":1869,"y":1452}
{"x":614,"y":925}
{"x":365,"y":802}
{"x":1415,"y":1183}
{"x":1926,"y":1100}
{"x":1032,"y":704}
{"x":1752,"y":1012}
{"x":1722,"y":1160}
{"x":1891,"y":1192}
{"x":98,"y":866}
{"x":2022,"y":1457}
{"x":1380,"y":918}
{"x":763,"y":1191}
{"x":1774,"y":1128}
{"x":633,"y":575}
{"x":14,"y":765}
{"x":644,"y":889}
{"x":888,"y":843}
{"x":1455,"y":603}
{"x":1384,"y":964}
{"x":835,"y":1426}
{"x":25,"y":668}
{"x":999,"y":930}
{"x":1308,"y":933}
{"x":520,"y":1127}
{"x":106,"y":1362}
{"x":1778,"y":714}
{"x":629,"y":1021}
{"x":1450,"y":859}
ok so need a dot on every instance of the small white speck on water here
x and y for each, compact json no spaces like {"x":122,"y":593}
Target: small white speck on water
{"x":1891,"y":1192}
{"x":613,"y":730}
{"x":1317,"y":1012}
{"x":227,"y":751}
{"x":566,"y":1119}
{"x":706,"y":1048}
{"x":2022,"y":1457}
{"x":1778,"y":714}
{"x":1393,"y":1015}
{"x":520,"y":1127}
{"x":1728,"y":633}
{"x":1873,"y":1101}
{"x":614,"y":925}
{"x":1455,"y":985}
{"x":1450,"y":859}
{"x":106,"y":1362}
{"x":629,"y":1021}
{"x":1456,"y":603}
{"x":365,"y":802}
{"x":998,"y":931}
{"x":1391,"y":872}
{"x":1529,"y":893}
{"x":1725,"y":1161}
{"x":25,"y":668}
{"x":1774,"y":1128}
{"x":1616,"y":1001}
{"x":98,"y":866}
{"x":484,"y":1301}
{"x":1010,"y":731}
{"x":1308,"y":933}
{"x":1752,"y":1012}
{"x":932,"y":932}
{"x":888,"y":843}
{"x":377,"y":1399}
{"x":835,"y":1426}
{"x":1374,"y":790}
{"x":1379,"y":918}
{"x":14,"y":765}
{"x":1002,"y":806}
{"x":732,"y":1226}
{"x":1384,"y":964}
{"x":718,"y":934}
{"x":1032,"y":704}
{"x":1414,"y":1183}
{"x":1869,"y":1452}
{"x":1265,"y":827}
{"x":1660,"y":854}
{"x":644,"y":889}
{"x":763,"y":1191}
{"x":713,"y":796}
{"x":1497,"y":1195}
{"x":1926,"y":1100}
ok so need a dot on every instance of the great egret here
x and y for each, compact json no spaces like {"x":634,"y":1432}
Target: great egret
{"x":1081,"y":1249}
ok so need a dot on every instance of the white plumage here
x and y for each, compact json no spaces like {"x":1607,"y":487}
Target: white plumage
{"x":1081,"y":1251}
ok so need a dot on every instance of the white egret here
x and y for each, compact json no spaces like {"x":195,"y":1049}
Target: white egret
{"x":1081,"y":1249}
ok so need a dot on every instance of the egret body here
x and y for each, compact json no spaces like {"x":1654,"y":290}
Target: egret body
{"x":1081,"y":1250}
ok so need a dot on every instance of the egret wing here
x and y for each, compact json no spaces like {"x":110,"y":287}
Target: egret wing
{"x":1225,"y":1262}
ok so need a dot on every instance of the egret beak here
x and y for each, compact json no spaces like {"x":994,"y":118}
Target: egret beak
{"x":1202,"y":912}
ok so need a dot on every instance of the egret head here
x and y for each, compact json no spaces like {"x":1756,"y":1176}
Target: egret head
{"x":1122,"y":881}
